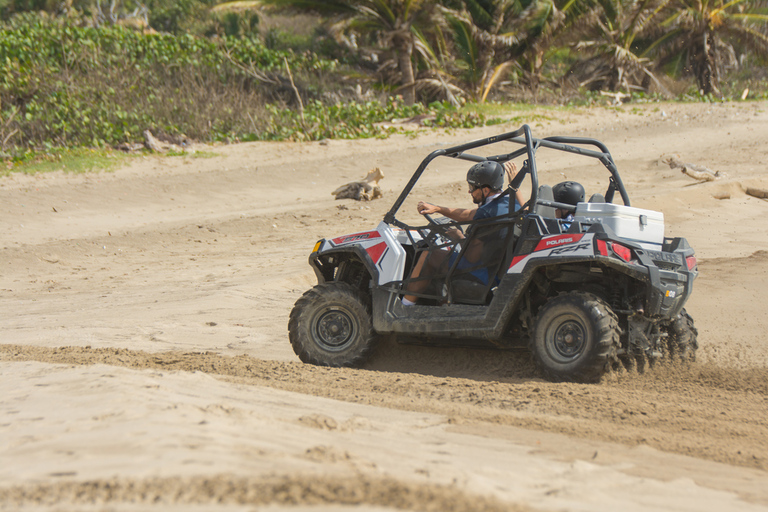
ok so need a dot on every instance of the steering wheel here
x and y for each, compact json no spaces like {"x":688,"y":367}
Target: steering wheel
{"x":438,"y":230}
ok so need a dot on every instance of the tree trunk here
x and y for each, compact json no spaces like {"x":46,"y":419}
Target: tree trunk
{"x":404,"y":49}
{"x":706,"y":75}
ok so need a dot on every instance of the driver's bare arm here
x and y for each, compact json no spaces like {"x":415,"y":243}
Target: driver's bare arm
{"x":457,"y":214}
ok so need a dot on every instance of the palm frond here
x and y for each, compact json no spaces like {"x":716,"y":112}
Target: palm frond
{"x":498,"y":72}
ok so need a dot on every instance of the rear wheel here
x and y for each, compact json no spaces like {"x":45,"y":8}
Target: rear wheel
{"x":330,"y":325}
{"x":575,"y":337}
{"x":682,"y":343}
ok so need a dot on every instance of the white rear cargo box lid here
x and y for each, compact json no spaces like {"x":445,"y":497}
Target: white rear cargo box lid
{"x":645,"y":227}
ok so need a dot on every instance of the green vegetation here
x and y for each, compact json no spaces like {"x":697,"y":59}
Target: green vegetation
{"x":88,"y":74}
{"x":355,"y":120}
{"x":66,"y":85}
{"x":72,"y":160}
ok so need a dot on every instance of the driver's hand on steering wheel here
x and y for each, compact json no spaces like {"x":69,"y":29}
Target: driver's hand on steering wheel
{"x":427,"y":208}
{"x":454,"y":233}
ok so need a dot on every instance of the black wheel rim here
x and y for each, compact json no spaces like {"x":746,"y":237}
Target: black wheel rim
{"x":566,"y":338}
{"x":334,"y":329}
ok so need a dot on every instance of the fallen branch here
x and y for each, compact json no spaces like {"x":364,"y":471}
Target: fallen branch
{"x":5,"y":125}
{"x":757,"y":192}
{"x":296,"y":92}
{"x":416,"y":121}
{"x":157,"y":145}
{"x":365,"y":190}
{"x":695,"y":171}
{"x":618,"y":97}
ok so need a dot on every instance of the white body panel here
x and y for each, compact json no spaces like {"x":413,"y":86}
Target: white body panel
{"x":383,"y":246}
{"x":645,"y":227}
{"x":392,"y":262}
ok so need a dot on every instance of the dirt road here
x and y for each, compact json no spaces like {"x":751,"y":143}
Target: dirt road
{"x":144,"y":360}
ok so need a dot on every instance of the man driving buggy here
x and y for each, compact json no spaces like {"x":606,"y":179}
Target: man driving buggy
{"x":486,"y":181}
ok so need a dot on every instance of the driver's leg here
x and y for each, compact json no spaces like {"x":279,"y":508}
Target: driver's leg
{"x":426,"y":266}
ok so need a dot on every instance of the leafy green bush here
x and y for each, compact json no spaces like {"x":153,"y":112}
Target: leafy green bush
{"x":66,"y":85}
{"x":70,"y":85}
{"x":357,"y":120}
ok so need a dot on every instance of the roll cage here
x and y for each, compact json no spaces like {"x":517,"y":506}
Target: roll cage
{"x":520,"y":137}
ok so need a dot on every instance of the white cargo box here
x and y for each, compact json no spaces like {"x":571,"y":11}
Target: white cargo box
{"x":645,"y":227}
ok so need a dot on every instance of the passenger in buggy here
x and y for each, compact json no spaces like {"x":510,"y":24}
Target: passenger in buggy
{"x":567,"y":192}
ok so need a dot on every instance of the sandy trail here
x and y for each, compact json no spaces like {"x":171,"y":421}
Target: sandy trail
{"x":144,"y":353}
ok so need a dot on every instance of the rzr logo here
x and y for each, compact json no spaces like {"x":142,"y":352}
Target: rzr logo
{"x":570,"y":248}
{"x":355,"y":238}
{"x":369,"y":235}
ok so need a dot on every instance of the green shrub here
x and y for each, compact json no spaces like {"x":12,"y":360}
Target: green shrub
{"x":73,"y":85}
{"x":67,"y":85}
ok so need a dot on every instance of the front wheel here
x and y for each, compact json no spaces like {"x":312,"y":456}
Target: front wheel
{"x":330,"y":325}
{"x":575,"y":337}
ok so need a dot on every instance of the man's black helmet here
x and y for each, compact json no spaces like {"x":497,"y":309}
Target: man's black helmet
{"x":486,"y":174}
{"x":568,"y":192}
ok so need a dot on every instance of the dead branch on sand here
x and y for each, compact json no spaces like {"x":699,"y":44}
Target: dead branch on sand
{"x":163,"y":144}
{"x":695,"y":171}
{"x":365,"y":190}
{"x":757,"y":192}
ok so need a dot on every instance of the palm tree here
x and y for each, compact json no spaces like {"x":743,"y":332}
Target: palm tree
{"x":609,"y":32}
{"x":481,"y":43}
{"x":543,"y":27}
{"x":396,"y":24}
{"x":698,"y":36}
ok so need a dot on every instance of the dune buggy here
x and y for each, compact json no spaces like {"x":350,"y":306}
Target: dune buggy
{"x":581,"y":295}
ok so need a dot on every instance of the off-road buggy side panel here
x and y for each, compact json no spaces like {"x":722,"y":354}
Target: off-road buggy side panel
{"x":562,"y":263}
{"x":379,"y":252}
{"x":574,"y":245}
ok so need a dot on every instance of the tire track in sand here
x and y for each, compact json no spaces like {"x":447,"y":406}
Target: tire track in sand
{"x":702,"y":410}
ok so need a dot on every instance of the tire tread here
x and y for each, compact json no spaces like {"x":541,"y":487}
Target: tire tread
{"x":601,"y":357}
{"x":315,"y":297}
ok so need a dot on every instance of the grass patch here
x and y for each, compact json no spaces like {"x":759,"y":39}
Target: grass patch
{"x":516,"y":113}
{"x":193,"y":154}
{"x":69,"y":160}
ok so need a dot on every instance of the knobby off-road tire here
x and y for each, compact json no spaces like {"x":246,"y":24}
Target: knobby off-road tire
{"x":330,"y":325}
{"x":575,"y":338}
{"x":682,"y":342}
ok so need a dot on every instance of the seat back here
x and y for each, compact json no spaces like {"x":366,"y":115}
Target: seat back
{"x":597,"y":198}
{"x":545,"y":193}
{"x":467,"y":286}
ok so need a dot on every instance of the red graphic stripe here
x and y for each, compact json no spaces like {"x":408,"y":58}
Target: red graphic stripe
{"x":376,"y":251}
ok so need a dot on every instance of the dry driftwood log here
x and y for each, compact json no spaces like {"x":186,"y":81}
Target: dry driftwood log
{"x":698,"y":172}
{"x":416,"y":121}
{"x":757,"y":192}
{"x":161,"y":145}
{"x":365,"y":190}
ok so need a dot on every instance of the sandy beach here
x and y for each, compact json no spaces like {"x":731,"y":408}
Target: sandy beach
{"x":145,"y":362}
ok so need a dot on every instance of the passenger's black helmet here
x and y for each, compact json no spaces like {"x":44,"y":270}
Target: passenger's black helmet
{"x":486,"y":174}
{"x":568,"y":192}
